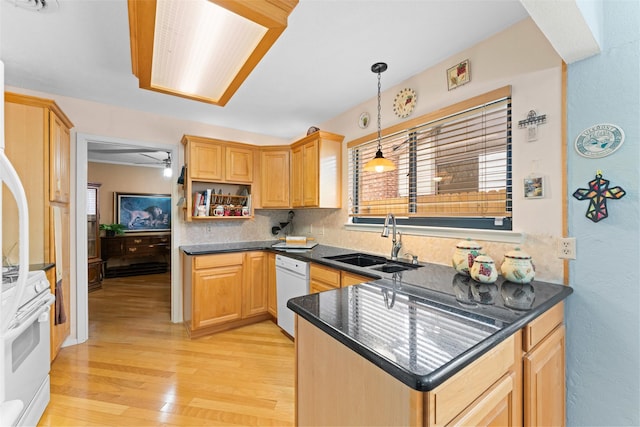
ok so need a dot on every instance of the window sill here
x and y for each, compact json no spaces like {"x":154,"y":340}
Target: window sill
{"x":452,"y":233}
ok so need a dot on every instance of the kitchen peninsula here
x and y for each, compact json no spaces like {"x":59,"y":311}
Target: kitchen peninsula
{"x":424,"y":346}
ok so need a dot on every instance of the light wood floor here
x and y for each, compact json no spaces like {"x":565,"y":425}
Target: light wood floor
{"x":137,"y":368}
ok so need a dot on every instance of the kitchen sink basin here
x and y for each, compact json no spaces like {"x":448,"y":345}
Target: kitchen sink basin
{"x":359,"y":259}
{"x":394,"y":267}
{"x":375,"y":262}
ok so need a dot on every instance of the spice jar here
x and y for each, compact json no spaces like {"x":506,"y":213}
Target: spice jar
{"x":464,"y":255}
{"x":518,"y":267}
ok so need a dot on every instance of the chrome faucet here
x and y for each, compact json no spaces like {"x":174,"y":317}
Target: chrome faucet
{"x":385,"y":233}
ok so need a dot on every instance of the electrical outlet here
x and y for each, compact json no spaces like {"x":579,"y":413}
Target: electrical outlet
{"x":567,"y":248}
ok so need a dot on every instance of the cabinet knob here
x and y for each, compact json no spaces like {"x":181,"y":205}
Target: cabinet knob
{"x":133,"y":249}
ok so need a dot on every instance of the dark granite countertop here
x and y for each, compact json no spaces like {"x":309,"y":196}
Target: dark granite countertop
{"x":421,"y":326}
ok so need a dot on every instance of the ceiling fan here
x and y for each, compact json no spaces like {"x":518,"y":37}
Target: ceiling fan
{"x":164,"y":162}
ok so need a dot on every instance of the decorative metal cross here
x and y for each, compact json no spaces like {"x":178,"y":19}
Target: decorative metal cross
{"x":598,"y":193}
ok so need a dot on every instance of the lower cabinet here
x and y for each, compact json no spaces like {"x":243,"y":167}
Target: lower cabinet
{"x":519,"y":382}
{"x":223,"y":291}
{"x":323,"y":278}
{"x":272,"y":298}
{"x":544,"y":370}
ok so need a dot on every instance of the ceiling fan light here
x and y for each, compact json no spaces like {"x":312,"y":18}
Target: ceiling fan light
{"x":379,"y":164}
{"x":167,"y":171}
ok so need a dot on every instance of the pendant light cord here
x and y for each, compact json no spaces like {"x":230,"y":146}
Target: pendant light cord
{"x":379,"y":110}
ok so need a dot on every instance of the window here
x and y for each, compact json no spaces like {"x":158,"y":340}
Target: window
{"x":453,"y":168}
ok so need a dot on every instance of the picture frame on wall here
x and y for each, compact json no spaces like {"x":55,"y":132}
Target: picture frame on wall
{"x":141,"y":212}
{"x":458,"y":75}
{"x":534,"y":187}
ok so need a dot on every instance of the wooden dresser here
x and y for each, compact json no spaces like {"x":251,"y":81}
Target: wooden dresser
{"x":135,"y":255}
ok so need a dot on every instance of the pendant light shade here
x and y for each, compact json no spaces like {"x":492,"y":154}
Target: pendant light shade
{"x":379,"y":163}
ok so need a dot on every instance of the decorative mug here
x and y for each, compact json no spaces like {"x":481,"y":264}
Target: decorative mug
{"x":518,"y":267}
{"x":245,"y":211}
{"x":218,"y":211}
{"x":484,"y":269}
{"x":464,"y":255}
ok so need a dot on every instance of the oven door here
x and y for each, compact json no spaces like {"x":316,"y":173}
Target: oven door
{"x":27,"y":363}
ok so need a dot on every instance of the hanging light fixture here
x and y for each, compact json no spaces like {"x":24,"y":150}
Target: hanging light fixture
{"x":379,"y":163}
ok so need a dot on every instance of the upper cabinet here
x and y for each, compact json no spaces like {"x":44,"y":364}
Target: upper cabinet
{"x":274,"y":177}
{"x":219,"y":174}
{"x":218,"y":161}
{"x":60,"y":148}
{"x":316,"y":162}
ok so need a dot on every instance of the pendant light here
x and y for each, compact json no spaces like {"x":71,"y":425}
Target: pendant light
{"x":379,"y":163}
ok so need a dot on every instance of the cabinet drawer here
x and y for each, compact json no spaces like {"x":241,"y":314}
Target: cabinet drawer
{"x":535,"y":331}
{"x":328,"y":275}
{"x":208,"y":261}
{"x":456,"y":394}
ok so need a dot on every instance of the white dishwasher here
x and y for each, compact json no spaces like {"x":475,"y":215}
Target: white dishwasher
{"x":292,"y":280}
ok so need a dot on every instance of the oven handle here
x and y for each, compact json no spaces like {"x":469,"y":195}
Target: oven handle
{"x":39,"y":315}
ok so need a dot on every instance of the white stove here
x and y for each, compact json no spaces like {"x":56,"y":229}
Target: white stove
{"x":26,"y":349}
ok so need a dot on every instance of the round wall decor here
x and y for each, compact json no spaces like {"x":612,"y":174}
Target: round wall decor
{"x":405,"y":102}
{"x":599,"y":140}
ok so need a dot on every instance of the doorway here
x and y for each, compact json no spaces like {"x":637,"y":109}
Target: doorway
{"x":80,"y":302}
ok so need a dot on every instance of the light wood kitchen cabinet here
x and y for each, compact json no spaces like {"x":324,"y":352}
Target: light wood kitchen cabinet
{"x":349,"y":279}
{"x":272,"y":296}
{"x":544,"y":370}
{"x":37,"y":138}
{"x":316,"y":171}
{"x":483,"y":393}
{"x":223,"y":291}
{"x":204,"y":158}
{"x":59,"y":158}
{"x":521,"y":381}
{"x":323,"y":278}
{"x":221,"y":166}
{"x":274,"y":177}
{"x":255,"y":285}
{"x":239,"y":167}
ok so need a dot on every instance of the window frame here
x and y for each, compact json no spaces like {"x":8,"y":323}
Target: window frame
{"x":472,"y":222}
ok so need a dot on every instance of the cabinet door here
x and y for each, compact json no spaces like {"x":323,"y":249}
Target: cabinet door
{"x":254,"y":297}
{"x":297,"y":177}
{"x":274,"y":179}
{"x":60,"y":159}
{"x":349,"y":279}
{"x":316,"y":286}
{"x":272,"y":296}
{"x":544,"y":382}
{"x":217,"y":295}
{"x":310,"y":178}
{"x":206,"y":160}
{"x":239,"y":164}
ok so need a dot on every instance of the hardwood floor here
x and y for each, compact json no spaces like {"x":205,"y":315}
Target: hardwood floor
{"x":138,"y":368}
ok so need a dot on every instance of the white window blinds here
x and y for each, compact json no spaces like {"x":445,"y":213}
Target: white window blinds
{"x":456,"y":163}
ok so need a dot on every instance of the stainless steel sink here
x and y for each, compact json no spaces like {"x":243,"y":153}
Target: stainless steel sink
{"x":359,"y":259}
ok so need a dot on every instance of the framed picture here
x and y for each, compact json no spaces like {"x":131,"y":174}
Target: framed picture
{"x":458,"y":75}
{"x":143,"y":212}
{"x":533,"y":187}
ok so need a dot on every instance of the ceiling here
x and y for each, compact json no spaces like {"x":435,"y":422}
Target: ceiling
{"x":318,"y":69}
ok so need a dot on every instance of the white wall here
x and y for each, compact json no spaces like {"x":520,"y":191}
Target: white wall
{"x":521,"y":57}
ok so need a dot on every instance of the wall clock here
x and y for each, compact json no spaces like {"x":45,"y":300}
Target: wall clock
{"x":405,"y":102}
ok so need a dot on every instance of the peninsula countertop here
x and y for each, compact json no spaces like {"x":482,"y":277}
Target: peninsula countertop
{"x":422,"y":325}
